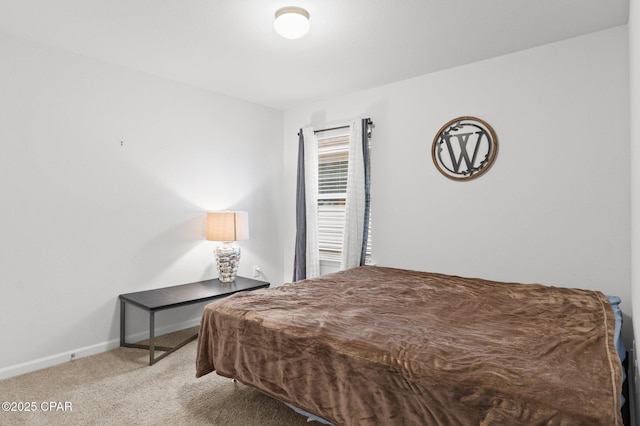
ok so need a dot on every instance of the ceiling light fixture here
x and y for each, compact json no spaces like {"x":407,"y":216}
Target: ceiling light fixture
{"x":291,"y":22}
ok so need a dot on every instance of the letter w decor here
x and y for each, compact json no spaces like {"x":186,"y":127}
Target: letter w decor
{"x":464,"y":148}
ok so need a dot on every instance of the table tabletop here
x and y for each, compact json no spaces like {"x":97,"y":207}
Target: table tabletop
{"x":186,"y":294}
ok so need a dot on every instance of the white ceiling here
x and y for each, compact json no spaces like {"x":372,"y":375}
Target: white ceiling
{"x":229,"y":46}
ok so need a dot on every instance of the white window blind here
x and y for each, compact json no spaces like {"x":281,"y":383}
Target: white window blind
{"x":333,"y":163}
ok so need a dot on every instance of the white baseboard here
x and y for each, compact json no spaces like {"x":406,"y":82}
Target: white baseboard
{"x":49,"y":361}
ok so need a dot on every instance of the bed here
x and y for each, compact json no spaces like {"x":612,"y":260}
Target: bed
{"x":386,"y":346}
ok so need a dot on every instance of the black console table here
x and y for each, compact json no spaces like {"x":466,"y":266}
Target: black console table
{"x":160,"y":299}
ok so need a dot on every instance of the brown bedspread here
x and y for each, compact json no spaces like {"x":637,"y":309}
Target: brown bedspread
{"x":383,"y":346}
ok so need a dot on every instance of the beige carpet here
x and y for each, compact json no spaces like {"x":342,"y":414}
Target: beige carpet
{"x":119,"y":387}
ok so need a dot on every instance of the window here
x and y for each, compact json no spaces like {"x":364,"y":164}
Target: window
{"x":333,"y":164}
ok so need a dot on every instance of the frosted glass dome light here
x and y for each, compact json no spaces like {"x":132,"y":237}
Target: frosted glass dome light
{"x":291,"y":22}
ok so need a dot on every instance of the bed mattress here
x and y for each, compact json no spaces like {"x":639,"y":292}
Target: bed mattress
{"x":375,"y":345}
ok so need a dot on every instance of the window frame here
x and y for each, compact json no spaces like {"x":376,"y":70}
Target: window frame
{"x":334,"y":143}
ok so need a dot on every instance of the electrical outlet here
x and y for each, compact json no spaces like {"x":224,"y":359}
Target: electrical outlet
{"x":256,"y":271}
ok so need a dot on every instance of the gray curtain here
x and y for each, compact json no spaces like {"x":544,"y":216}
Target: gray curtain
{"x":300,"y":259}
{"x":366,"y":134}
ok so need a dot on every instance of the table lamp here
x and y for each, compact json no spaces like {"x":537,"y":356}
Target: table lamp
{"x":227,"y":227}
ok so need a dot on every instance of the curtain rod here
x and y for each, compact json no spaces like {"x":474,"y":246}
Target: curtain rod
{"x":331,"y":128}
{"x":369,"y":123}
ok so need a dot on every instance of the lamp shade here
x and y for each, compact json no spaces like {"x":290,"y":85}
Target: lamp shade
{"x":291,"y":22}
{"x":227,"y":226}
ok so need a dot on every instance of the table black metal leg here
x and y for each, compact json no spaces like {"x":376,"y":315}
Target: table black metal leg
{"x":151,"y":336}
{"x":122,"y":327}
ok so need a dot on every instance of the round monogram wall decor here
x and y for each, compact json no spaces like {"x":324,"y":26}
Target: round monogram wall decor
{"x":464,"y":148}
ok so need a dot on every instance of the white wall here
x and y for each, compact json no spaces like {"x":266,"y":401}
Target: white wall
{"x":85,"y":217}
{"x":105,"y":178}
{"x":634,"y":59}
{"x":555,"y":206}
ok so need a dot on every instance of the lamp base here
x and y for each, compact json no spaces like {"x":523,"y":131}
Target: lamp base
{"x":227,"y":259}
